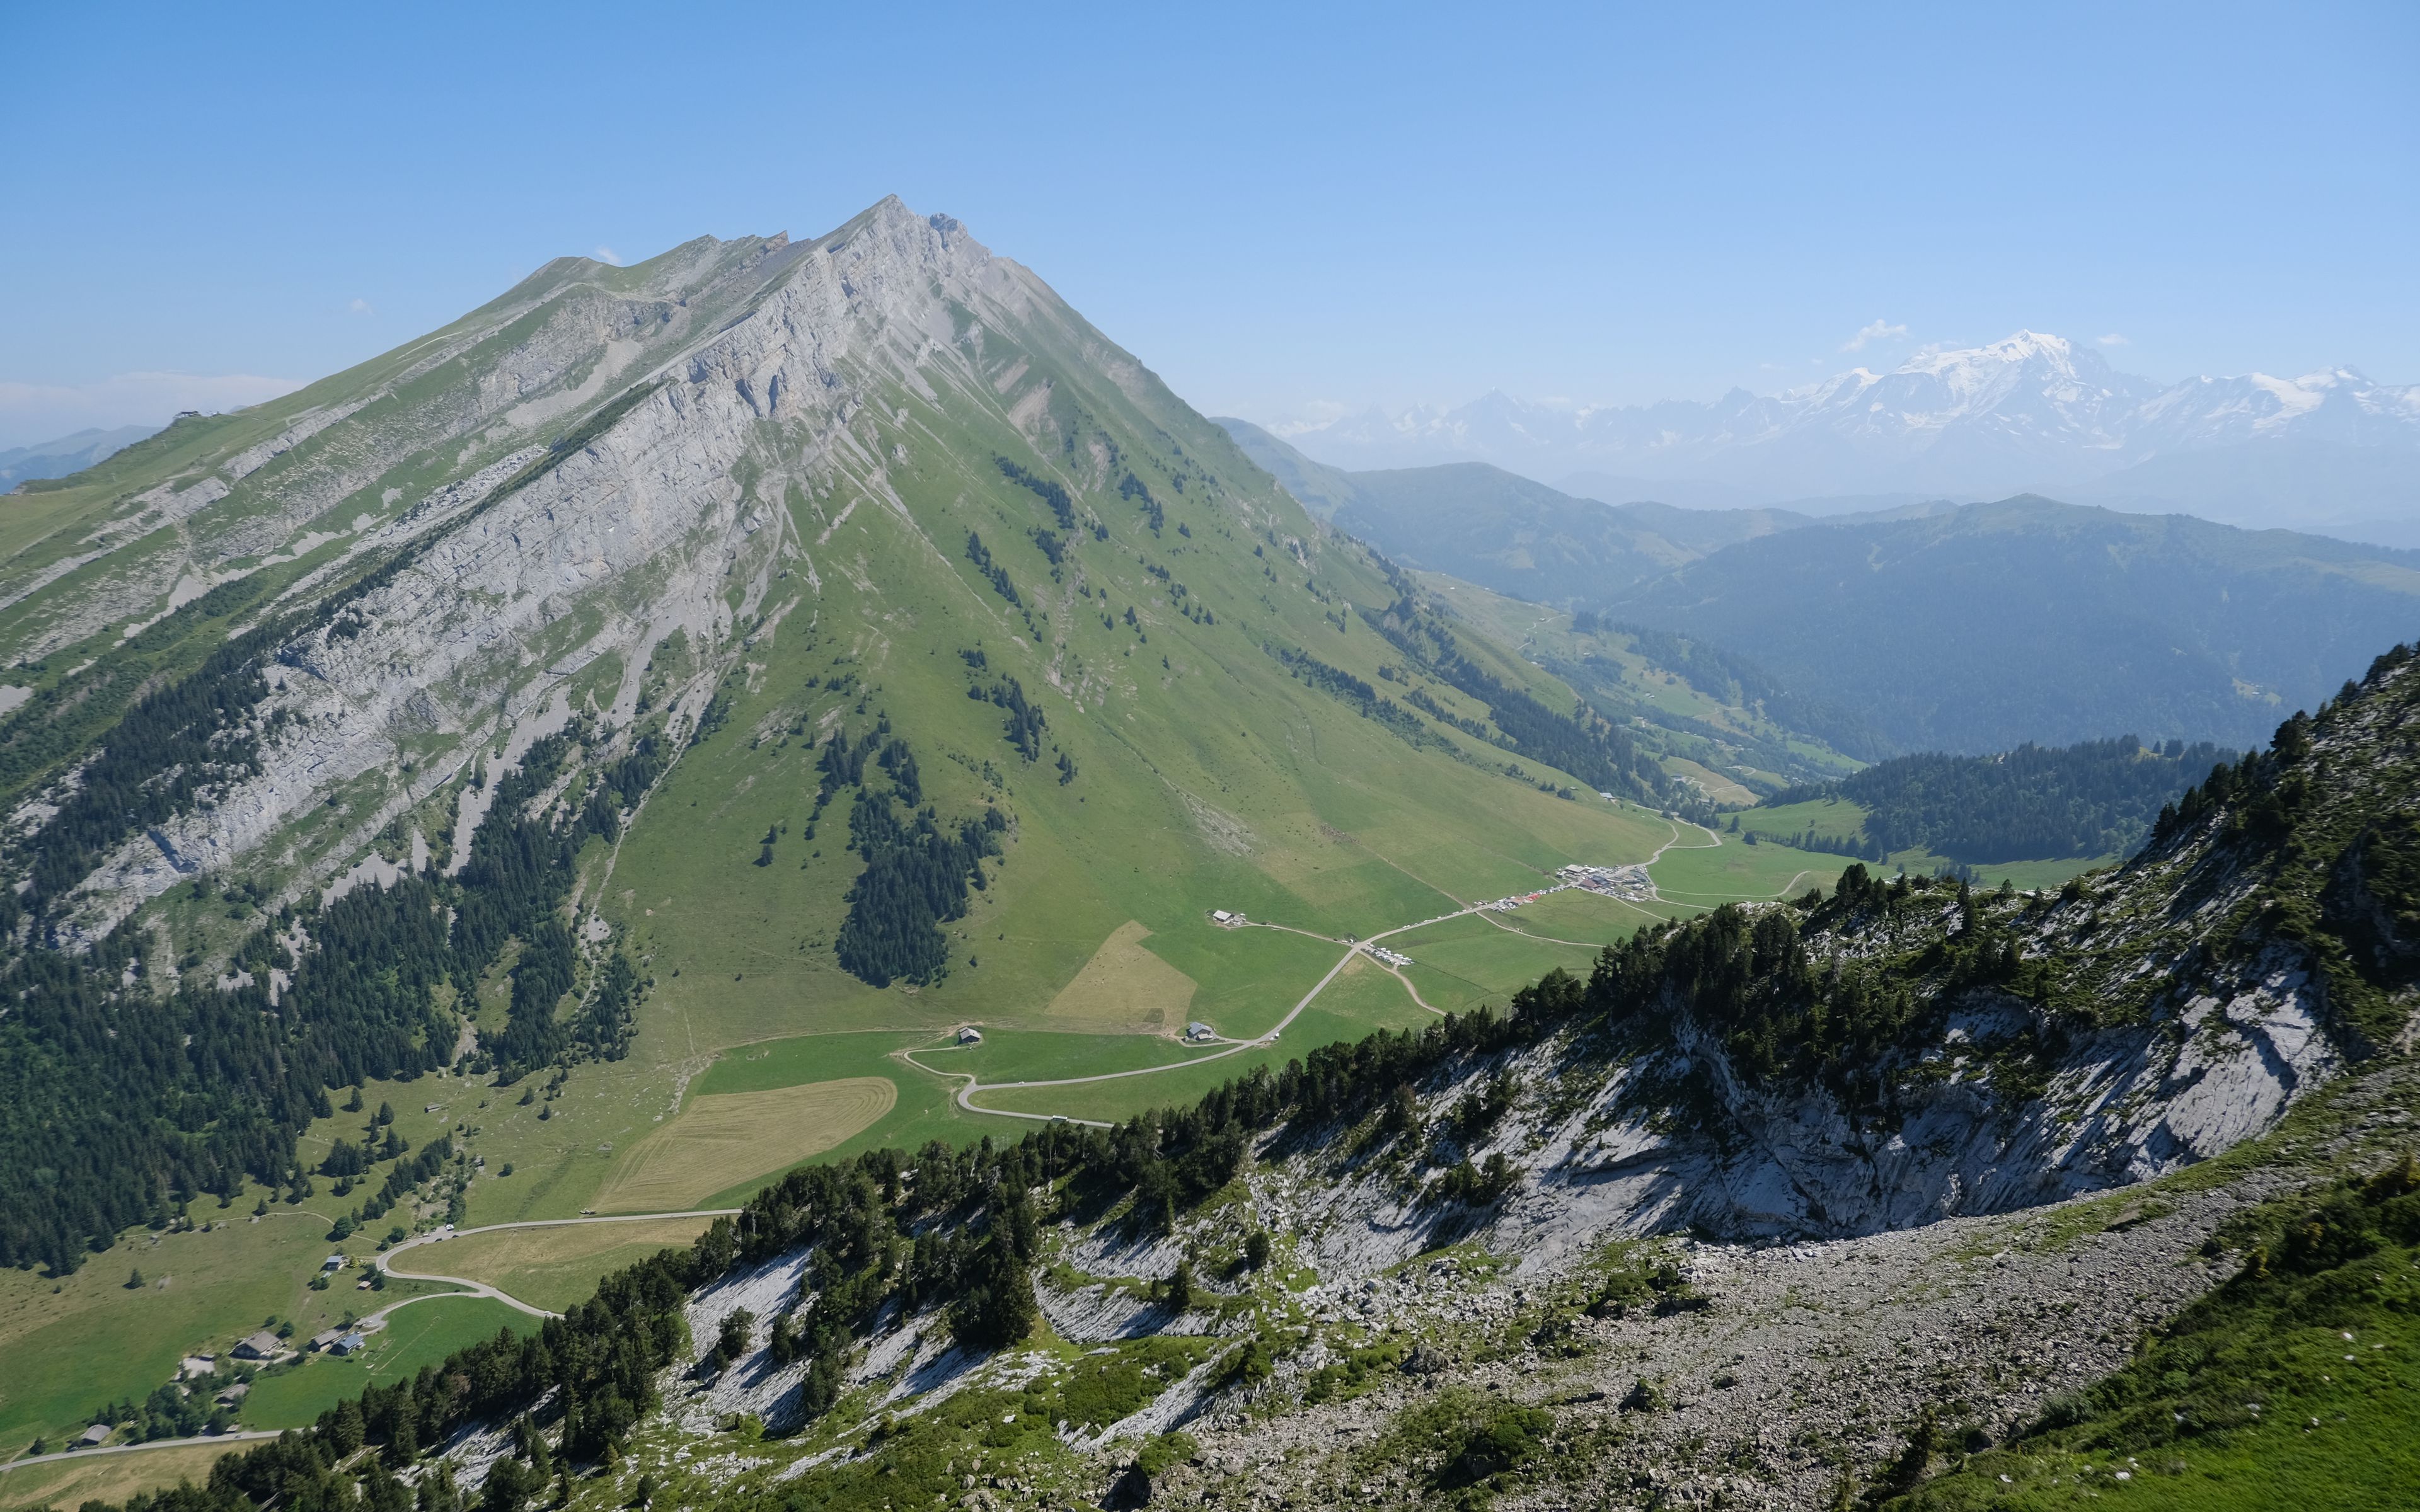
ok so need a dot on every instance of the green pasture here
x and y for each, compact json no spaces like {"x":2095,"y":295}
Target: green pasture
{"x":1700,"y":875}
{"x":1463,"y":962}
{"x":1842,"y":819}
{"x":73,"y":1343}
{"x":1829,"y":818}
{"x":423,"y":1334}
{"x":1029,"y":1055}
{"x":1577,"y":913}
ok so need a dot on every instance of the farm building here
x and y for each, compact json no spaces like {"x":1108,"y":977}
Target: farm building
{"x":969,"y":1035}
{"x":325,"y":1338}
{"x":259,"y":1346}
{"x":98,"y":1433}
{"x":1198,"y":1031}
{"x":333,"y":1262}
{"x":352,"y":1344}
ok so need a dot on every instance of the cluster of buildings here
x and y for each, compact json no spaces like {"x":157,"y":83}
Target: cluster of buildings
{"x":1392,"y":958}
{"x":1629,"y":883}
{"x":200,"y":1371}
{"x":340,"y":1341}
{"x":1505,"y":905}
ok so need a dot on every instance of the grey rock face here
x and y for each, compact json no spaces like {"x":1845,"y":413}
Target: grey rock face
{"x":759,"y":350}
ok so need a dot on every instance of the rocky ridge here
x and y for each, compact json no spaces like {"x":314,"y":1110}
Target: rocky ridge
{"x":494,"y":587}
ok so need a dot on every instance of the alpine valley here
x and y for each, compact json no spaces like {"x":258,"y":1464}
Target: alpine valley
{"x":773,"y":880}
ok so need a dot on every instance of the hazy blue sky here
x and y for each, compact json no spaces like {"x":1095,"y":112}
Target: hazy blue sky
{"x":1274,"y":207}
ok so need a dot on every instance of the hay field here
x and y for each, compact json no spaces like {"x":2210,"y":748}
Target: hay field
{"x":555,"y":1268}
{"x":721,"y":1140}
{"x":111,"y":1478}
{"x":1125,"y":986}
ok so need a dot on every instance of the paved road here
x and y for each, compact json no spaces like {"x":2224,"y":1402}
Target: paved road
{"x":246,"y":1435}
{"x":480,"y":1288}
{"x":970,"y":1085}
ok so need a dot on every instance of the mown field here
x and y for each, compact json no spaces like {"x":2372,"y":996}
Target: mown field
{"x":107,"y":1477}
{"x":691,"y":1158}
{"x":554,"y":1268}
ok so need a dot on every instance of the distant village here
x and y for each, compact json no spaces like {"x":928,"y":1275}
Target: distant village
{"x":1627,"y":883}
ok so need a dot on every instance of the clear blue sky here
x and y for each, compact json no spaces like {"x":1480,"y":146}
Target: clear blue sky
{"x":1273,"y":207}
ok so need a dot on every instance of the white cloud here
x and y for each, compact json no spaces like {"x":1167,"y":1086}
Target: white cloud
{"x":1875,"y":331}
{"x":2113,"y":339}
{"x":31,"y":412}
{"x":360,"y":307}
{"x":607,"y":255}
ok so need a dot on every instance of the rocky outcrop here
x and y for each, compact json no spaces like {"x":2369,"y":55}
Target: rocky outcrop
{"x":528,"y":559}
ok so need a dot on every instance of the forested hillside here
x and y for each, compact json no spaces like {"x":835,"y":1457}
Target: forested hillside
{"x":1979,"y":629}
{"x":2092,"y":800}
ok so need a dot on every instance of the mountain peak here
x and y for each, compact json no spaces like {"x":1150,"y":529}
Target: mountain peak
{"x":2031,"y":411}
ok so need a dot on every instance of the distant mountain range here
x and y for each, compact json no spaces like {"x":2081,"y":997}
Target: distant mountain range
{"x":1969,"y":629}
{"x":66,"y":454}
{"x":1514,"y":534}
{"x":2331,"y":451}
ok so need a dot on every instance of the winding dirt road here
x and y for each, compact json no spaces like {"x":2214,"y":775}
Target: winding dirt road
{"x":480,"y":1288}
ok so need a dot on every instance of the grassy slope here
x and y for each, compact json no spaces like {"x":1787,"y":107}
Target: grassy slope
{"x":73,"y":1343}
{"x":1338,"y":826}
{"x":2326,"y":1350}
{"x":1620,"y":681}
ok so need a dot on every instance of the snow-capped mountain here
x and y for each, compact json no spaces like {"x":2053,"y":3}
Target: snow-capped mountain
{"x":2031,"y":412}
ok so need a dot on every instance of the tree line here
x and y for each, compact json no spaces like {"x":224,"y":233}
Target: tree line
{"x":1062,"y":508}
{"x":1582,"y":743}
{"x":125,"y":1092}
